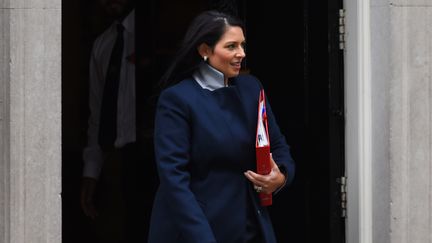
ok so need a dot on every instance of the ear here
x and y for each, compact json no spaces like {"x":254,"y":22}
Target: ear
{"x":204,"y":50}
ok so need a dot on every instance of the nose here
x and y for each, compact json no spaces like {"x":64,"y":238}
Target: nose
{"x":241,"y":53}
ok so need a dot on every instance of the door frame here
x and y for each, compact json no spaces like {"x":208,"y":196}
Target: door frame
{"x":358,"y":127}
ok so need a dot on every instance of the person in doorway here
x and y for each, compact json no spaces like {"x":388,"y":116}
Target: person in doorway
{"x":111,"y":130}
{"x":205,"y":127}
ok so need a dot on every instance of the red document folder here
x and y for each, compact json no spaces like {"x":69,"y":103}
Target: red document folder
{"x":262,"y":147}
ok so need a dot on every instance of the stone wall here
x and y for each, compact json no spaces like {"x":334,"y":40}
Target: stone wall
{"x":4,"y":122}
{"x":410,"y":121}
{"x":30,"y":71}
{"x":381,"y":73}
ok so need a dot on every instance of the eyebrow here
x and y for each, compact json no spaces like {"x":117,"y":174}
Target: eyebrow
{"x":234,"y":42}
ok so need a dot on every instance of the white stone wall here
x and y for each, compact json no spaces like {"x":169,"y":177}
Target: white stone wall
{"x":30,"y":72}
{"x":410,"y":121}
{"x":401,"y":121}
{"x":30,"y":120}
{"x":401,"y":52}
{"x":4,"y":122}
{"x":380,"y":82}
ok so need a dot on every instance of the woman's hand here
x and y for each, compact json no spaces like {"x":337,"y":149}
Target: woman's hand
{"x":270,"y":182}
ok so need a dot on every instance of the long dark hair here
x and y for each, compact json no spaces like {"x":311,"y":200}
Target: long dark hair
{"x":208,"y":28}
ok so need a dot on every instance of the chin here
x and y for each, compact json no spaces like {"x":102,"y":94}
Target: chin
{"x":235,"y":74}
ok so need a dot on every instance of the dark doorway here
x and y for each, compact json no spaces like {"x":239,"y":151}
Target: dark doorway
{"x":295,"y":53}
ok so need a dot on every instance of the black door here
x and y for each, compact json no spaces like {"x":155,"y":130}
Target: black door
{"x":293,"y":50}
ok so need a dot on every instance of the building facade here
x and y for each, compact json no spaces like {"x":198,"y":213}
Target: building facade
{"x":30,"y":121}
{"x":388,"y":95}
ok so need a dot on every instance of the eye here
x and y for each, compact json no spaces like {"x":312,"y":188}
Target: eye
{"x":231,"y":46}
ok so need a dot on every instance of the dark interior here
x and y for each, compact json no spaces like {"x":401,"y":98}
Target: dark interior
{"x":287,"y":49}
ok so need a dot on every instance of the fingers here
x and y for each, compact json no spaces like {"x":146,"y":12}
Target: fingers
{"x":280,"y":177}
{"x":266,"y":183}
{"x":275,"y":167}
{"x":273,"y":163}
{"x":254,"y":177}
{"x":262,"y":183}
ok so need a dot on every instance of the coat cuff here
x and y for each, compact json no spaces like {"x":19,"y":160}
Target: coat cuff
{"x":284,"y":171}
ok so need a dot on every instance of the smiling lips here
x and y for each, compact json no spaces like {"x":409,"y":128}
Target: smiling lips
{"x":236,"y":64}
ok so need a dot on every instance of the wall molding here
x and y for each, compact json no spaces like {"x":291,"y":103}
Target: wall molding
{"x":358,"y":122}
{"x":4,"y":125}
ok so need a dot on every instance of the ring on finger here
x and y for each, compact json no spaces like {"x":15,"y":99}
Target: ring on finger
{"x":258,"y":188}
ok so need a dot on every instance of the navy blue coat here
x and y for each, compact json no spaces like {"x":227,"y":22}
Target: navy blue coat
{"x":204,"y":141}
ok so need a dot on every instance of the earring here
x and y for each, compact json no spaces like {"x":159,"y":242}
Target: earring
{"x":205,"y":58}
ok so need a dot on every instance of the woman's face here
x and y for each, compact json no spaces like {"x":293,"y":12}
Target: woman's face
{"x":229,"y":52}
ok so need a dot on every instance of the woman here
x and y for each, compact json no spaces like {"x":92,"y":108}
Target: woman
{"x":205,"y":131}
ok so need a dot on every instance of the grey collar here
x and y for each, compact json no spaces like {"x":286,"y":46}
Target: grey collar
{"x":129,"y":22}
{"x":208,"y":77}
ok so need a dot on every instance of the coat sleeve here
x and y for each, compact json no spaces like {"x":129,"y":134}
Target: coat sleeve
{"x":279,"y":147}
{"x":172,"y":150}
{"x":92,"y":154}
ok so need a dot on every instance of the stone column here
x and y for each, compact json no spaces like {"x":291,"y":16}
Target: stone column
{"x":4,"y":123}
{"x":30,"y":121}
{"x":411,"y":121}
{"x":381,"y":74}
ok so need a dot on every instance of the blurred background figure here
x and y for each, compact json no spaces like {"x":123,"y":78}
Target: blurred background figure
{"x":110,"y":194}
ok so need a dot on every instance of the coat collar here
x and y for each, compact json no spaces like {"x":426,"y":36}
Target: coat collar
{"x":208,"y":77}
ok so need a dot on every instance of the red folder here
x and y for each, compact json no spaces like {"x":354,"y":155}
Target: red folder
{"x":263,"y":148}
